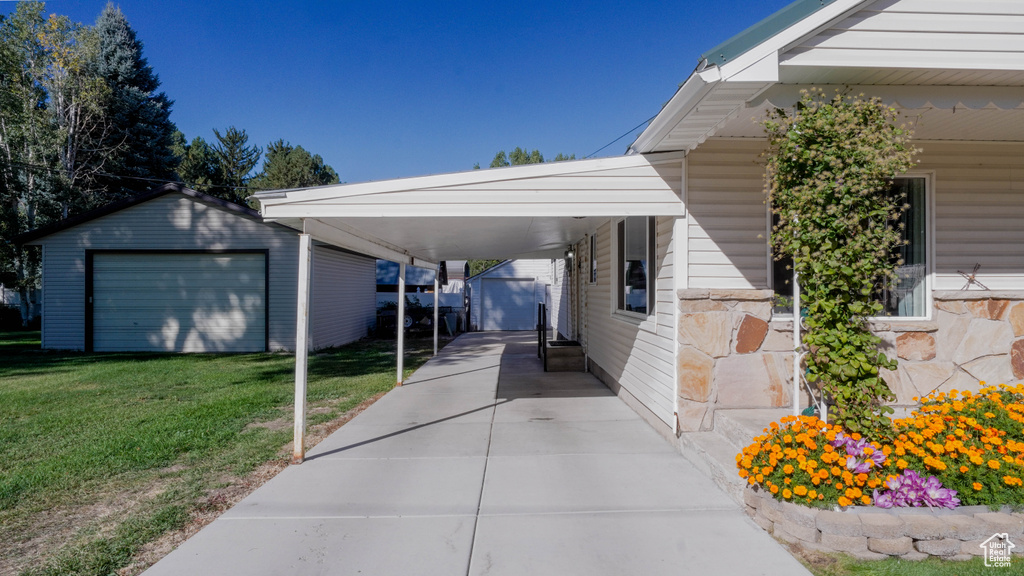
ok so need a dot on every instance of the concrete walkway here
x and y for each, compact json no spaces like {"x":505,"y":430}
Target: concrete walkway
{"x":484,"y":464}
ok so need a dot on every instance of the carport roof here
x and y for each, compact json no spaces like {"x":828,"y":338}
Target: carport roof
{"x":532,"y":211}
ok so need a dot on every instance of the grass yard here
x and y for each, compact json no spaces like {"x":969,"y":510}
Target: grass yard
{"x":829,"y":565}
{"x":101,"y":455}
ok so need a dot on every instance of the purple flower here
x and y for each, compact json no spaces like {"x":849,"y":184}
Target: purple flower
{"x":911,"y":489}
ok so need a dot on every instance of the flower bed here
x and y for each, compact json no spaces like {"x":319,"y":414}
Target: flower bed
{"x":956,"y":449}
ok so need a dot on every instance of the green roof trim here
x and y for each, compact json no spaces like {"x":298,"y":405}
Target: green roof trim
{"x":762,"y":31}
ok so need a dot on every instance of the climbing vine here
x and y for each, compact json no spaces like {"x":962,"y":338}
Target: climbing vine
{"x":830,"y":167}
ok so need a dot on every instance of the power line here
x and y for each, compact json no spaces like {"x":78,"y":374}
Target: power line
{"x":142,"y":178}
{"x":620,"y":137}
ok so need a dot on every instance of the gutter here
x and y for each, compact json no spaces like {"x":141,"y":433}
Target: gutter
{"x":682,"y":103}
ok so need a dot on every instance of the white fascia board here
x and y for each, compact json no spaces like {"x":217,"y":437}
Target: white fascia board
{"x":669,"y":207}
{"x":468,"y":177}
{"x":807,"y":27}
{"x":685,"y":99}
{"x":358,"y":242}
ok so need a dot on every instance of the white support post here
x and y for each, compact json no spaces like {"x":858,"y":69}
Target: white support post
{"x":437,"y":289}
{"x":796,"y":345}
{"x":400,"y":324}
{"x":302,"y":347}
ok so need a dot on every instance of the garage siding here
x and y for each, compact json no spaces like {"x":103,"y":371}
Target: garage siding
{"x":170,"y":222}
{"x":344,"y":297}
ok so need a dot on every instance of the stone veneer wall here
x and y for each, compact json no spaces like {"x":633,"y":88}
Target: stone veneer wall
{"x":732,"y":354}
{"x":874,"y":533}
{"x":973,"y":336}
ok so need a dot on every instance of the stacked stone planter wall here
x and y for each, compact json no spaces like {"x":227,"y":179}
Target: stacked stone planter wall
{"x":874,"y":533}
{"x":733,"y":354}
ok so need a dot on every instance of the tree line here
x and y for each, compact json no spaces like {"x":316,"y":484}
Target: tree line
{"x":83,"y":123}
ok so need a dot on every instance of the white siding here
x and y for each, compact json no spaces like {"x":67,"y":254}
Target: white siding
{"x":978,"y":208}
{"x":728,"y":222}
{"x":945,"y":34}
{"x":639,"y":355}
{"x":170,"y":222}
{"x":343,"y":297}
{"x":538,"y":270}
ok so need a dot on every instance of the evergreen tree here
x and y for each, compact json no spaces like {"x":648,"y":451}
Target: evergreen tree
{"x":520,"y":156}
{"x":197,"y":163}
{"x":235,"y":161}
{"x":287,"y":166}
{"x":139,"y":138}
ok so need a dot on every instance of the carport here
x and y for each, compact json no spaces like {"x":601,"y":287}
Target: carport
{"x":533,"y":211}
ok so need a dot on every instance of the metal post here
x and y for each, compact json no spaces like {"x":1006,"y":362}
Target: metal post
{"x":437,"y":288}
{"x":302,"y":347}
{"x":400,"y":324}
{"x":796,"y":344}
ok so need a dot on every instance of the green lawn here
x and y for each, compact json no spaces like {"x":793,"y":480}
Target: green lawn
{"x":101,"y":453}
{"x":846,"y":566}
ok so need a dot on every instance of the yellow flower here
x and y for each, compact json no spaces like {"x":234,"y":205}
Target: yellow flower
{"x":993,"y":464}
{"x":800,"y":490}
{"x":787,"y":494}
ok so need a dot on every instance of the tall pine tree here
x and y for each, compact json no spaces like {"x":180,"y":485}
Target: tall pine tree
{"x":235,"y":160}
{"x":287,"y":166}
{"x":139,"y":137}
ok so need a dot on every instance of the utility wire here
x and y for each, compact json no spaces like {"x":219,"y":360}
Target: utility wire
{"x":620,"y":137}
{"x":142,"y":178}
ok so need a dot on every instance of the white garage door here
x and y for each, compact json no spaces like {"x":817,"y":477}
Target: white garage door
{"x":508,"y":304}
{"x":186,"y":302}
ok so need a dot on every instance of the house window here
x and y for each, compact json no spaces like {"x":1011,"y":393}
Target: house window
{"x":909,"y":297}
{"x":593,"y":258}
{"x":635,"y":245}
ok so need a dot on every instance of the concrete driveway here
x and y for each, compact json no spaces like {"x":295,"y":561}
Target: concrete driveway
{"x":484,"y":464}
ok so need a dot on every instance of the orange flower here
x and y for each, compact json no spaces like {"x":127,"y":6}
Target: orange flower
{"x":774,"y":489}
{"x":963,"y":469}
{"x":866,"y":500}
{"x":977,"y":485}
{"x":844,"y":501}
{"x":788,"y":469}
{"x":787,"y":494}
{"x":993,"y":464}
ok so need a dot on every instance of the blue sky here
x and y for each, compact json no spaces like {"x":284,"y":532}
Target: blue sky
{"x":393,"y":89}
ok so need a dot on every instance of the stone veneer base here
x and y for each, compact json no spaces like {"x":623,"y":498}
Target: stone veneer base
{"x":876,"y":533}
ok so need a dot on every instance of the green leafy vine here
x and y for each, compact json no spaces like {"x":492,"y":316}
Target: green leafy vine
{"x":830,"y":165}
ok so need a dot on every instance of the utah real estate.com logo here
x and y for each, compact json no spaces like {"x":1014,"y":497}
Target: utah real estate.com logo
{"x":997,"y":550}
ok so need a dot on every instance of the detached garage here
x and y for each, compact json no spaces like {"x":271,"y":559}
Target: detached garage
{"x":505,"y":297}
{"x":176,"y":270}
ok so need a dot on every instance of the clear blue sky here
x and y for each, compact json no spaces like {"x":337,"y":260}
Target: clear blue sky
{"x":392,"y":89}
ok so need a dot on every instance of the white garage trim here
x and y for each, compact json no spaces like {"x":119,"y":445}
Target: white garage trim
{"x":175,"y":277}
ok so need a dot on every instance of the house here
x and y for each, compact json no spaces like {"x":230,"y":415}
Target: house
{"x":175,"y":270}
{"x":505,"y":296}
{"x":676,"y":286}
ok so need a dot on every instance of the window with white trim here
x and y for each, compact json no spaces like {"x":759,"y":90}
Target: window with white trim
{"x":635,"y":264}
{"x":909,"y":297}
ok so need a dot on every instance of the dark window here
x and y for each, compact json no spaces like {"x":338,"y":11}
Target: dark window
{"x":908,"y":297}
{"x":635,"y":249}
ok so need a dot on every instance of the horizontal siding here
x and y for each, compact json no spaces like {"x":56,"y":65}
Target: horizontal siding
{"x":639,"y":356}
{"x":728,"y":223}
{"x":344,"y":297}
{"x":925,"y":34}
{"x":978,"y":204}
{"x":170,"y":222}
